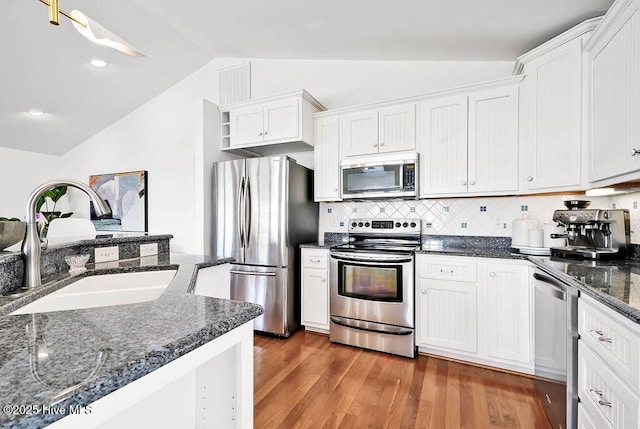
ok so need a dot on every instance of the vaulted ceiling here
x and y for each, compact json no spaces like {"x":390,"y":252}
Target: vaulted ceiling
{"x":47,"y":67}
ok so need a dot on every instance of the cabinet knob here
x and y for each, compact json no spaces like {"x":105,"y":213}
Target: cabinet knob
{"x":260,"y":133}
{"x":314,"y":260}
{"x":335,"y":189}
{"x":492,"y":274}
{"x":635,"y":152}
{"x":464,"y":183}
{"x":323,"y":280}
{"x":473,"y":182}
{"x":375,"y":145}
{"x":423,"y":291}
{"x":266,"y":132}
{"x":381,"y":144}
{"x":529,"y":179}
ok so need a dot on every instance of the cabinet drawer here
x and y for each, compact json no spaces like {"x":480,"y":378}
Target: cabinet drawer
{"x":447,"y":269}
{"x":603,"y":393}
{"x":588,"y":421}
{"x":615,"y":343}
{"x":315,"y":259}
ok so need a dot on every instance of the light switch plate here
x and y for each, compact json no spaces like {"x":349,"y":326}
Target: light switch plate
{"x":105,"y":254}
{"x":148,"y":249}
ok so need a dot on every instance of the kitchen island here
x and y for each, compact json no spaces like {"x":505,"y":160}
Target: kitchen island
{"x":181,"y":360}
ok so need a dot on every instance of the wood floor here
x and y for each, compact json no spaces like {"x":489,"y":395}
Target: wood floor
{"x":307,"y":382}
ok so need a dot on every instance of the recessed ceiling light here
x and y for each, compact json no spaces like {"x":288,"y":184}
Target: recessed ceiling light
{"x":35,"y":112}
{"x":99,"y":63}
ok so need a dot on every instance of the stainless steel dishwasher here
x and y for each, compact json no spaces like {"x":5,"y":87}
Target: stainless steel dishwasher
{"x":556,"y":348}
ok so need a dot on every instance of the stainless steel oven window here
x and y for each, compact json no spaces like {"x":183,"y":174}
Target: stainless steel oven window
{"x":379,"y":178}
{"x":373,"y":283}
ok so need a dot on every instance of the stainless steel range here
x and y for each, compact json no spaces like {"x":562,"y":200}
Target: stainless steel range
{"x":372,"y":286}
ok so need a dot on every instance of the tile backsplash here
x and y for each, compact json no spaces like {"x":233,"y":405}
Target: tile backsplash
{"x":489,"y":216}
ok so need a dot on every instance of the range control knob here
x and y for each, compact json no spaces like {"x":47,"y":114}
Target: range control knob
{"x":412,"y":224}
{"x":353,"y":225}
{"x":397,"y":224}
{"x":360,"y":224}
{"x":406,"y":224}
{"x":367,"y":224}
{"x":606,"y":215}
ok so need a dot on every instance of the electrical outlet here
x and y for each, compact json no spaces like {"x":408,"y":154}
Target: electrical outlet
{"x":104,"y":254}
{"x":148,"y":249}
{"x":499,"y":224}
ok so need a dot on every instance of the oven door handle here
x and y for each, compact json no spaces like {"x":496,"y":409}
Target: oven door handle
{"x":366,"y":326}
{"x":379,"y":259}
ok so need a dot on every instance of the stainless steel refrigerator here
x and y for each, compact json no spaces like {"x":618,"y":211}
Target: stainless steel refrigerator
{"x":263,"y":210}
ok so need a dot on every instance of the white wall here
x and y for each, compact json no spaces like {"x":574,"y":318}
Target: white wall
{"x":20,"y":173}
{"x":167,"y":135}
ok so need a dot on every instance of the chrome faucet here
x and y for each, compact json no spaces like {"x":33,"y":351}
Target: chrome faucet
{"x":31,"y":250}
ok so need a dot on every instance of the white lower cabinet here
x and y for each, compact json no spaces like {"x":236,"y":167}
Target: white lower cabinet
{"x":608,"y":364}
{"x":315,"y":289}
{"x":475,"y":309}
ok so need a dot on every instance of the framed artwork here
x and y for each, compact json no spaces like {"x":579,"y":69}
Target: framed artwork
{"x":126,"y":194}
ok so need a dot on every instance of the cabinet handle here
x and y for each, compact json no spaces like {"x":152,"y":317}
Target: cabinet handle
{"x":446,"y":271}
{"x":601,"y":336}
{"x":314,"y":260}
{"x":375,"y":145}
{"x":529,"y":179}
{"x":602,"y":402}
{"x":492,"y":274}
{"x":335,"y":189}
{"x":635,"y":152}
{"x":464,"y":183}
{"x":424,"y":291}
{"x":381,"y":144}
{"x":260,"y":133}
{"x":473,"y":182}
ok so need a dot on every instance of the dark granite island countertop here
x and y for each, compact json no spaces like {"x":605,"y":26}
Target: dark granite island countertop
{"x":615,"y":284}
{"x":73,"y":358}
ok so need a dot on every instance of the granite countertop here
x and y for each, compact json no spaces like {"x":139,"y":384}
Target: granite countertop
{"x":99,"y":350}
{"x":615,"y":283}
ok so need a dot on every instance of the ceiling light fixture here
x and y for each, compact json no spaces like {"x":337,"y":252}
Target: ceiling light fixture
{"x":99,"y":63}
{"x":90,"y":29}
{"x":35,"y":113}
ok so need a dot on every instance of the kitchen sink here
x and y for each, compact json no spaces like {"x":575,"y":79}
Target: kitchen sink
{"x":103,"y":291}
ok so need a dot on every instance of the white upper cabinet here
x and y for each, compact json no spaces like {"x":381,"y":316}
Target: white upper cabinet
{"x":469,"y":143}
{"x":326,"y":159}
{"x":359,"y":133}
{"x":615,"y":95}
{"x":270,"y":125}
{"x":384,"y":130}
{"x":551,"y":135}
{"x":397,"y":128}
{"x":493,"y":140}
{"x":442,"y":142}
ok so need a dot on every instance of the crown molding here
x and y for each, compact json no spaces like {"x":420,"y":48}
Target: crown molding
{"x":611,"y":22}
{"x":569,"y":35}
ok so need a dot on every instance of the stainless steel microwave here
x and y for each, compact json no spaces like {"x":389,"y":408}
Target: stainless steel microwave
{"x":382,"y":176}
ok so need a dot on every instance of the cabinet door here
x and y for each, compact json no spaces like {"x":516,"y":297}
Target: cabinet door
{"x":359,"y":133}
{"x":447,"y":315}
{"x":616,"y":102}
{"x":326,"y":158}
{"x":493,"y":140}
{"x":508,"y":312}
{"x":397,"y":128}
{"x":282,"y":120}
{"x":442,"y":142}
{"x":552,"y":119}
{"x":246,"y":125}
{"x":315,"y":297}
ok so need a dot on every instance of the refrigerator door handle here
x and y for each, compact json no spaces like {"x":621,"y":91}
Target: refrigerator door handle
{"x":247,"y":203}
{"x":241,"y":214}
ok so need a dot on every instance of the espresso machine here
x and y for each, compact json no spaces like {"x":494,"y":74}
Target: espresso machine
{"x":592,"y":233}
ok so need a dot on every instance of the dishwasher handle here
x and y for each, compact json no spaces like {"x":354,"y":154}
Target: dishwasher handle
{"x":556,"y":288}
